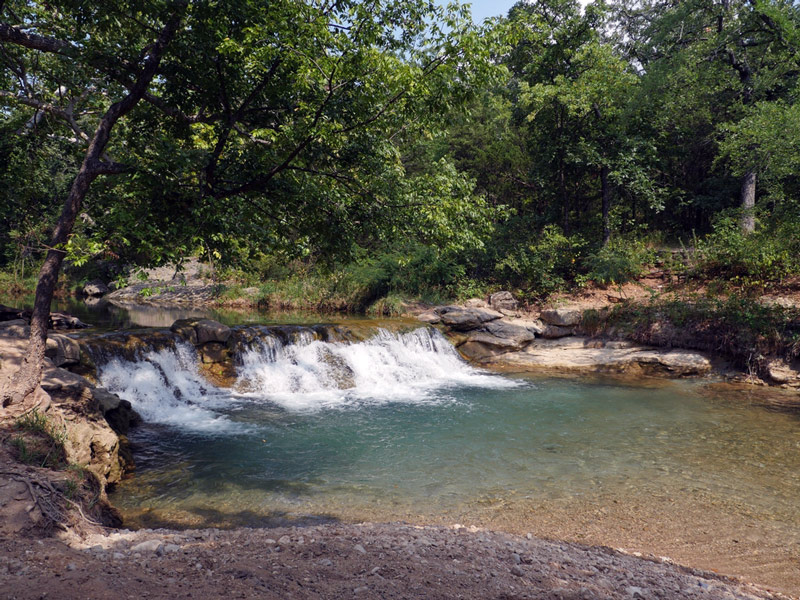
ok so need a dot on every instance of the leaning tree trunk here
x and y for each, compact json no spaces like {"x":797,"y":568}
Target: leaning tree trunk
{"x":606,"y":196}
{"x":25,"y":380}
{"x":748,"y":202}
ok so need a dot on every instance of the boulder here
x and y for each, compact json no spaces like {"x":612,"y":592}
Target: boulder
{"x":211,"y":331}
{"x":584,"y":355}
{"x":15,"y":328}
{"x":553,"y":332}
{"x":481,"y":351}
{"x":466,"y":319}
{"x":118,"y":412}
{"x":486,"y":338}
{"x":503,"y":301}
{"x":562,"y":317}
{"x":186,"y":330}
{"x":63,"y":321}
{"x":535,"y":326}
{"x":214,"y":352}
{"x":95,"y":288}
{"x":516,"y":335}
{"x":476,"y":303}
{"x":429,"y":317}
{"x":782,"y":373}
{"x":62,"y":350}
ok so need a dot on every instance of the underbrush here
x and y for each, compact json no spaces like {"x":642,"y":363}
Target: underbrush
{"x":750,"y":262}
{"x":737,"y":327}
{"x":38,"y":441}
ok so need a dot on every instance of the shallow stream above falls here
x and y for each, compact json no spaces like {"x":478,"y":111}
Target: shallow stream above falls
{"x":398,"y":427}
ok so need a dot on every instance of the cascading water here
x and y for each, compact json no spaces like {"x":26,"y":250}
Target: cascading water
{"x":419,"y":366}
{"x":164,"y":386}
{"x":297,"y":373}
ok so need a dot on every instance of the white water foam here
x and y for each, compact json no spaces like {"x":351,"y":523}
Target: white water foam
{"x":165,"y":387}
{"x":415,"y":367}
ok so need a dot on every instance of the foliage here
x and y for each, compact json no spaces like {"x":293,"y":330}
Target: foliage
{"x":618,"y":261}
{"x":753,"y":261}
{"x":40,"y":441}
{"x":546,"y":265}
{"x":737,"y":327}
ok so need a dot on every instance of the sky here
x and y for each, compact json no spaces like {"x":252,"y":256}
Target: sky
{"x":482,"y":9}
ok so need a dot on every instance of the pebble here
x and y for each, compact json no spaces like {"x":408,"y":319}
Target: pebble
{"x":517,"y":571}
{"x":325,"y":562}
{"x":71,"y":566}
{"x":147,"y":546}
{"x":361,"y":589}
{"x":360,"y":548}
{"x":118,"y":556}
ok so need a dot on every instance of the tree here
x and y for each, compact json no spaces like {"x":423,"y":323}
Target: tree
{"x":722,"y":58}
{"x":95,"y":163}
{"x":275,"y":123}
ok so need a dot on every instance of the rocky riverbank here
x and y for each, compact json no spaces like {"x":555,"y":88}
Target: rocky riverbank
{"x":388,"y":561}
{"x":498,"y":335}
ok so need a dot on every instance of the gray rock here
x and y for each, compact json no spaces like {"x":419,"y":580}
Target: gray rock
{"x":211,"y":331}
{"x":185,"y":329}
{"x":503,"y":301}
{"x":517,"y":571}
{"x":95,"y":288}
{"x":429,"y":317}
{"x":780,"y":372}
{"x":359,"y":548}
{"x":553,"y":332}
{"x":147,"y":546}
{"x":118,"y":412}
{"x":62,"y":350}
{"x":516,"y":334}
{"x":562,"y":317}
{"x":535,"y":326}
{"x":476,"y":303}
{"x":15,"y":328}
{"x":466,"y":319}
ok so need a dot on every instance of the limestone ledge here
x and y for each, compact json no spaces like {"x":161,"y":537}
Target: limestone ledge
{"x":95,"y":421}
{"x":498,"y":336}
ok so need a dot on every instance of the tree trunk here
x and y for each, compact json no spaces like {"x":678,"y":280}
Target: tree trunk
{"x":25,"y":380}
{"x":748,"y":202}
{"x":27,"y":377}
{"x":606,"y":195}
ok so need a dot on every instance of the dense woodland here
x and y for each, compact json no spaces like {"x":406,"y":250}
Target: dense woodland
{"x":395,"y":148}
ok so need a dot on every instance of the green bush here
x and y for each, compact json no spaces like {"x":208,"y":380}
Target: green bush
{"x":618,"y":261}
{"x":770,"y":254}
{"x":545,"y":266}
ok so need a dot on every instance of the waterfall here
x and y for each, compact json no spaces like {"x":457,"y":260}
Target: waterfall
{"x":389,"y":367}
{"x":296,"y":372}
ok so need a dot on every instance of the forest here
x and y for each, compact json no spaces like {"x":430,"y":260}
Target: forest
{"x":395,"y":149}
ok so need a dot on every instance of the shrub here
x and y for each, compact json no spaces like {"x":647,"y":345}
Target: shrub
{"x":618,"y":261}
{"x":770,"y":254}
{"x":543,"y":267}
